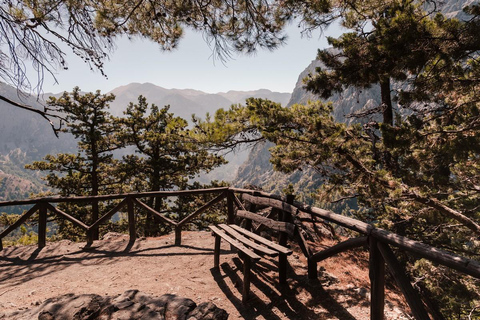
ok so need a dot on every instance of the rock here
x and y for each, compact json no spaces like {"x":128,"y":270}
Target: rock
{"x":177,"y":308}
{"x":114,"y":236}
{"x":132,"y":304}
{"x":208,"y":311}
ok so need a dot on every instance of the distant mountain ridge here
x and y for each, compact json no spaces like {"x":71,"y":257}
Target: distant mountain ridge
{"x":27,"y":133}
{"x":185,"y":102}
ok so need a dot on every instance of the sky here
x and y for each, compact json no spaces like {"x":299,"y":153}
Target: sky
{"x":191,"y":66}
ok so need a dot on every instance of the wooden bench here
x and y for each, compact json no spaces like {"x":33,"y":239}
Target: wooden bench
{"x":252,"y":247}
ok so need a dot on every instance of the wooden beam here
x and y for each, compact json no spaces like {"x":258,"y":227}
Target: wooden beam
{"x":411,"y":295}
{"x":202,"y":209}
{"x":262,"y":240}
{"x":42,"y":226}
{"x":230,"y":208}
{"x":112,"y":196}
{"x":340,"y":247}
{"x":178,"y":235}
{"x":20,"y":221}
{"x":153,"y":211}
{"x":239,"y":246}
{"x":68,"y":217}
{"x":247,"y":242}
{"x":216,"y":252}
{"x":109,"y":214}
{"x":377,"y":282}
{"x":237,"y":201}
{"x":247,"y":265}
{"x":131,"y":219}
{"x":467,"y":266}
{"x":286,"y":227}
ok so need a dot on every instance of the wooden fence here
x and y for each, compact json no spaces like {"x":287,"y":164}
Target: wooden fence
{"x":378,"y":241}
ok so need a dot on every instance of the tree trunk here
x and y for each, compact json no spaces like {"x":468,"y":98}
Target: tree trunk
{"x":386,"y":101}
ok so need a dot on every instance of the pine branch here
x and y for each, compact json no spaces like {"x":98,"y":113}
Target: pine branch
{"x":43,"y":113}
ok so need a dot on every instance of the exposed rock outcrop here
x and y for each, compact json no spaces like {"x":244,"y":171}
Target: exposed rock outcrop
{"x":132,"y":304}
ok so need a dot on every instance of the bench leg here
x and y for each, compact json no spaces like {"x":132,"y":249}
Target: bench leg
{"x":282,"y":268}
{"x":216,"y":253}
{"x":247,"y":265}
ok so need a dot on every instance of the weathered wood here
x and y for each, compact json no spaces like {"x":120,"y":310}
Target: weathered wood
{"x":109,"y":214}
{"x":112,"y":196}
{"x":230,"y":208}
{"x":42,"y":226}
{"x":270,"y":202}
{"x":202,"y":209}
{"x":131,"y":219}
{"x":286,"y":227}
{"x":307,"y":252}
{"x":247,"y":242}
{"x":20,"y":221}
{"x":153,"y":211}
{"x":259,"y":227}
{"x":89,"y":238}
{"x":95,"y":213}
{"x":312,"y":269}
{"x":216,"y":252}
{"x":340,"y":247}
{"x":238,"y":245}
{"x":248,"y":224}
{"x":257,"y":193}
{"x":467,"y":266}
{"x":262,"y":240}
{"x":247,"y":265}
{"x":377,"y":281}
{"x":237,"y":201}
{"x":410,"y":294}
{"x":178,"y":235}
{"x":73,"y":220}
{"x":286,"y":217}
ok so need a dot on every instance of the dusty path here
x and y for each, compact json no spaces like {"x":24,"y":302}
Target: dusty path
{"x":155,"y":266}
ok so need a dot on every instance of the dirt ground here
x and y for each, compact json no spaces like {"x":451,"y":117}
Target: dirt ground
{"x":156,"y":266}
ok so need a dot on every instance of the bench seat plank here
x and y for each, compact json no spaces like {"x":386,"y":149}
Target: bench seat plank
{"x":247,"y":242}
{"x":256,"y":237}
{"x":235,"y":243}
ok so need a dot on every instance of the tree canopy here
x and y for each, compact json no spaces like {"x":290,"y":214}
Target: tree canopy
{"x":414,"y":169}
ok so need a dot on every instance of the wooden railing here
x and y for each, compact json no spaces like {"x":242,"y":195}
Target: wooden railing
{"x":130,"y":201}
{"x":378,"y":241}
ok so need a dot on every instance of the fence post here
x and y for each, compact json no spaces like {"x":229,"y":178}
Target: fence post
{"x":178,"y":235}
{"x":42,"y":225}
{"x":377,"y":281}
{"x":230,"y":208}
{"x":282,"y":240}
{"x":95,"y":211}
{"x":131,"y":220}
{"x":411,"y":295}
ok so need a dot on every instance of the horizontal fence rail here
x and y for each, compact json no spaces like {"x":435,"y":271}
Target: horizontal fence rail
{"x":378,"y":241}
{"x":130,"y":200}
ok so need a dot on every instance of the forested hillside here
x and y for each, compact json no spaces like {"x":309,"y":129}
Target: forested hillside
{"x":26,"y":137}
{"x":258,"y":170}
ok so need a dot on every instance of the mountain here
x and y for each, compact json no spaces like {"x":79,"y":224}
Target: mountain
{"x":257,"y":169}
{"x":27,"y":130}
{"x":26,"y":136}
{"x":185,"y":102}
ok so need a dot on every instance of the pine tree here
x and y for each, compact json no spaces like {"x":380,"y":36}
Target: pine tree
{"x":166,"y":155}
{"x":90,"y":171}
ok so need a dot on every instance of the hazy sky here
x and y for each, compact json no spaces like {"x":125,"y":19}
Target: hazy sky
{"x":191,"y":66}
